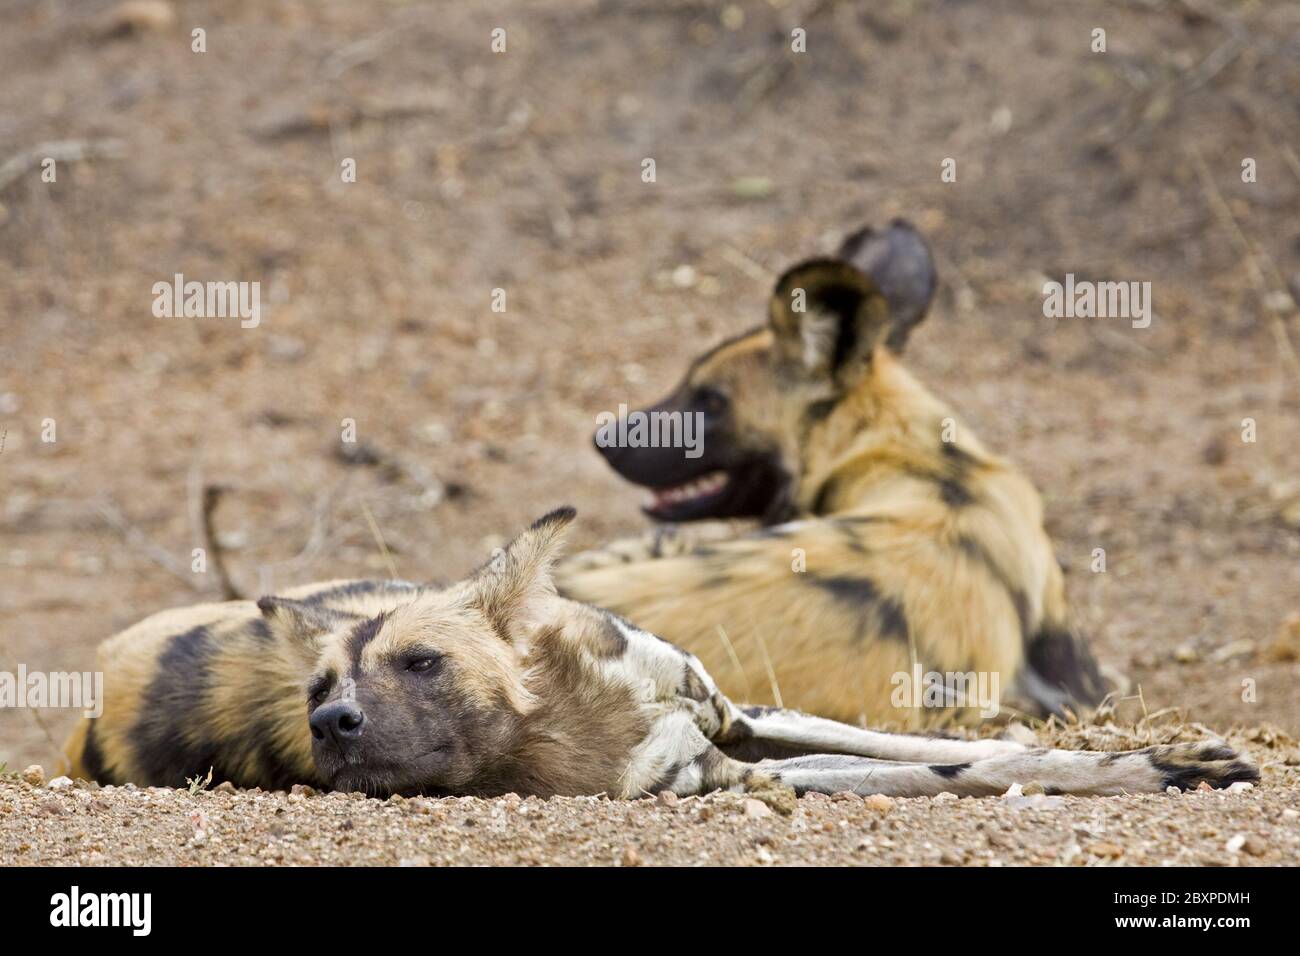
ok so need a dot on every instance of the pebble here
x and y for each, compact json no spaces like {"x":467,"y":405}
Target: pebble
{"x":1240,"y":786}
{"x":1111,"y":850}
{"x":632,"y":858}
{"x":668,"y":798}
{"x":756,"y":809}
{"x":946,"y":797}
{"x":60,"y":783}
{"x":137,"y":16}
{"x":302,"y":790}
{"x":35,"y":775}
{"x":224,"y":787}
{"x":1235,"y":843}
{"x":880,"y":803}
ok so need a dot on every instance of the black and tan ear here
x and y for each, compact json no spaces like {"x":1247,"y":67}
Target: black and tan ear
{"x":899,"y":261}
{"x":514,"y":581}
{"x":300,"y":622}
{"x":826,"y":317}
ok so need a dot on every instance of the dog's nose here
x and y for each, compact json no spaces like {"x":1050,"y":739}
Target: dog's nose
{"x":610,"y":449}
{"x":336,"y":725}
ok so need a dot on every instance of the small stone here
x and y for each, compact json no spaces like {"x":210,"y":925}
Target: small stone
{"x":1235,"y":843}
{"x":946,"y":797}
{"x":1015,"y":790}
{"x":302,"y":790}
{"x":845,"y":796}
{"x":1286,"y":646}
{"x":1034,"y":788}
{"x":1172,"y":790}
{"x":138,"y":16}
{"x":668,"y":798}
{"x":1290,"y":814}
{"x":880,"y":803}
{"x":765,"y":855}
{"x":1204,"y":786}
{"x":60,"y":783}
{"x":224,"y":786}
{"x":35,"y":775}
{"x":1239,"y":786}
{"x":756,"y":809}
{"x":1255,"y":846}
{"x":632,"y":858}
{"x":776,"y":796}
{"x":949,"y":858}
{"x":684,"y":277}
{"x":1112,"y":851}
{"x":1186,"y":654}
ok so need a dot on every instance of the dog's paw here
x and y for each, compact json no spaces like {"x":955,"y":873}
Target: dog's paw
{"x":1187,"y":766}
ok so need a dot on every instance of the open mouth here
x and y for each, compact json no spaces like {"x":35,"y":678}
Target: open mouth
{"x":670,"y":502}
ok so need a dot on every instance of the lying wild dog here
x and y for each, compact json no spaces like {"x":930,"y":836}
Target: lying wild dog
{"x":892,"y":544}
{"x":497,"y":684}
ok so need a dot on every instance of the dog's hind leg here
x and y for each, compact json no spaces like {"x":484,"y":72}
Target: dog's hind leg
{"x":1058,"y":771}
{"x":755,"y":732}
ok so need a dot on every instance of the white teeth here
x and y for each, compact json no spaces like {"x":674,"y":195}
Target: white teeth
{"x":691,"y":490}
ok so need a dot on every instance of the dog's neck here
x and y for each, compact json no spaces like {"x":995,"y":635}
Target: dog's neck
{"x":888,"y":431}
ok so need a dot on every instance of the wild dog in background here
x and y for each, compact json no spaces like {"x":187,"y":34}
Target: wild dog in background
{"x":892,"y":543}
{"x":497,"y":685}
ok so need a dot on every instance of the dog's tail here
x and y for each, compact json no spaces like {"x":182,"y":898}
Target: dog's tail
{"x":1060,"y":675}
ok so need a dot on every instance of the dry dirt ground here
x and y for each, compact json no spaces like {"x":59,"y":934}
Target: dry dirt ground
{"x":522,"y":171}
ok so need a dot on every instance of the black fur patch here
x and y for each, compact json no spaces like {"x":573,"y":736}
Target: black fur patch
{"x":954,"y":494}
{"x":1188,"y":776}
{"x":949,"y":770}
{"x":692,"y":687}
{"x":92,"y":758}
{"x":863,"y":595}
{"x":825,"y":494}
{"x":1064,"y":661}
{"x":361,"y":635}
{"x":166,"y":749}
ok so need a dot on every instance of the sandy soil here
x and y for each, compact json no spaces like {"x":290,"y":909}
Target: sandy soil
{"x":522,"y":171}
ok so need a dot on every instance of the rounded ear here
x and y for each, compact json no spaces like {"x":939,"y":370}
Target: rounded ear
{"x":508,"y":585}
{"x":301,"y":624}
{"x":898,"y":260}
{"x":826,"y":317}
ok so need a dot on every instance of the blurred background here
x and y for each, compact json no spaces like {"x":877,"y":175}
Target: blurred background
{"x":522,"y":171}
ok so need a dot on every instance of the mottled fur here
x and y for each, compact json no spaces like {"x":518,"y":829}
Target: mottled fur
{"x":497,"y":684}
{"x":890,"y":537}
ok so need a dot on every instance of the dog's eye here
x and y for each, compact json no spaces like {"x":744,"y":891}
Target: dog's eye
{"x":711,"y":401}
{"x":422,"y":664}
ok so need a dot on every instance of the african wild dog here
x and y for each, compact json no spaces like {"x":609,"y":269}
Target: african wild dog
{"x":921,"y":551}
{"x":497,"y":684}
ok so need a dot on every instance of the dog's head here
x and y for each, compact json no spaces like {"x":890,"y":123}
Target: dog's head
{"x":427,"y":696}
{"x":727,"y":442}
